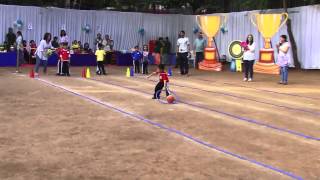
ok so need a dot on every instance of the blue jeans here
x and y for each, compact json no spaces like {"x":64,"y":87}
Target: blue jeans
{"x":39,"y":62}
{"x":284,"y":74}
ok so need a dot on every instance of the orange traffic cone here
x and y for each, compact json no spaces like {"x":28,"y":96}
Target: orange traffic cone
{"x":83,"y":73}
{"x":31,"y":73}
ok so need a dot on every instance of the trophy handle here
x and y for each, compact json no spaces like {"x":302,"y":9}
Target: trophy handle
{"x":285,"y":20}
{"x":252,"y":21}
{"x":225,"y":17}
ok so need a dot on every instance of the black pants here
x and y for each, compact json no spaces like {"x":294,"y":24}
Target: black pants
{"x":184,"y":65}
{"x":248,"y":68}
{"x":199,"y":58}
{"x":108,"y":57}
{"x":177,"y":62}
{"x":157,"y":90}
{"x":65,"y":68}
{"x":145,"y":67}
{"x":136,"y":66}
{"x":101,"y":68}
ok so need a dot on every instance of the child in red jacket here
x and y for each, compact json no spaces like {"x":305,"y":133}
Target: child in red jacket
{"x":163,"y":81}
{"x":64,"y":56}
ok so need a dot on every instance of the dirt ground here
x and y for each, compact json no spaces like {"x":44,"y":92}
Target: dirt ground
{"x":49,"y":133}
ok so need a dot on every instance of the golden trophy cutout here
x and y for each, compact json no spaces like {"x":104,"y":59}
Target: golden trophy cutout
{"x":210,"y":26}
{"x":268,"y":25}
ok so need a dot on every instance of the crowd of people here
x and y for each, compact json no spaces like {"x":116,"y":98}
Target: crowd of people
{"x":33,"y":54}
{"x":15,"y":41}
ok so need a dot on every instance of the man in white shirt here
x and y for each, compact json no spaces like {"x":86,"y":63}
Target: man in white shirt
{"x":183,"y":48}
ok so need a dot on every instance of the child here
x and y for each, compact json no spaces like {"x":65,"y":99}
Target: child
{"x":145,"y":61}
{"x":25,"y":52}
{"x":136,"y":56}
{"x":64,"y":56}
{"x":163,"y":81}
{"x":100,"y":53}
{"x":283,"y":58}
{"x":75,"y":47}
{"x":33,"y":48}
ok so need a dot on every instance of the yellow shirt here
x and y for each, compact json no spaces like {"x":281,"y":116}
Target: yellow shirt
{"x":100,"y":55}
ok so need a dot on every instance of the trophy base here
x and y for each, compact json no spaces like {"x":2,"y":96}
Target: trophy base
{"x":210,"y":65}
{"x":266,"y":68}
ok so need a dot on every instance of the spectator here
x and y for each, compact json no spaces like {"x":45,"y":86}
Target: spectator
{"x":86,"y":48}
{"x":19,"y":43}
{"x":25,"y":52}
{"x":80,"y":45}
{"x":32,"y":51}
{"x":183,"y":49}
{"x":108,"y":47}
{"x":98,"y":40}
{"x":75,"y":46}
{"x":63,"y":37}
{"x":157,"y":51}
{"x":198,"y":46}
{"x":55,"y":42}
{"x":10,"y":38}
{"x":166,"y":51}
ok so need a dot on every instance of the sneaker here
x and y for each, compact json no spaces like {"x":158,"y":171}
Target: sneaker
{"x":154,"y":97}
{"x":280,"y":82}
{"x":249,"y":79}
{"x":245,"y":79}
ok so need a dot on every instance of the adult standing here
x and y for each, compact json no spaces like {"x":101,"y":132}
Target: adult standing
{"x":19,"y":43}
{"x":10,"y":38}
{"x":199,"y":44}
{"x":42,"y":53}
{"x":55,"y":42}
{"x":108,"y":48}
{"x":163,"y":52}
{"x":249,"y":58}
{"x":98,"y":40}
{"x":183,"y":48}
{"x":63,"y":37}
{"x":157,"y":51}
{"x":283,"y":58}
{"x":166,"y":51}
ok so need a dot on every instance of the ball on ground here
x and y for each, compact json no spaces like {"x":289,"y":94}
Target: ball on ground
{"x":170,"y":99}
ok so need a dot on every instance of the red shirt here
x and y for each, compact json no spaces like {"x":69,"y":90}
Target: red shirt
{"x":33,"y":49}
{"x":64,"y":54}
{"x":163,"y":76}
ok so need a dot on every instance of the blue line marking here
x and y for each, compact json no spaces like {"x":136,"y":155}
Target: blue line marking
{"x":177,"y":132}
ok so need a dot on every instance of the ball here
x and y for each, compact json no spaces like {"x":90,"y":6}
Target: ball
{"x":49,"y":52}
{"x":170,"y":99}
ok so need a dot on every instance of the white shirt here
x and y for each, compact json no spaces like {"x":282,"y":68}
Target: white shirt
{"x":19,"y":41}
{"x":107,"y":45}
{"x":64,"y":39}
{"x":249,"y":54}
{"x":42,"y":49}
{"x":283,"y":47}
{"x":182,"y":44}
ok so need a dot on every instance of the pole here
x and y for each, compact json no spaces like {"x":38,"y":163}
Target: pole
{"x":215,"y":44}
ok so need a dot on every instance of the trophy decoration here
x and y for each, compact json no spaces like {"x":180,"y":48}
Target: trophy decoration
{"x":236,"y":52}
{"x":268,"y":25}
{"x":210,"y":26}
